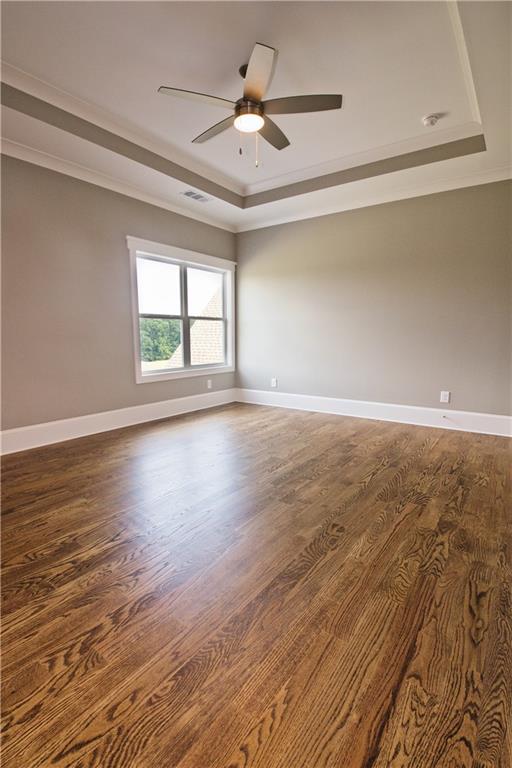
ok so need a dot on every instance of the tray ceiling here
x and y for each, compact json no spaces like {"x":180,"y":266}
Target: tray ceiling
{"x":393,"y":62}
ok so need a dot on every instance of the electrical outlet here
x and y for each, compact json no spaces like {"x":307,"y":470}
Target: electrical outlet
{"x":273,"y":382}
{"x":208,"y":383}
{"x":444,"y":396}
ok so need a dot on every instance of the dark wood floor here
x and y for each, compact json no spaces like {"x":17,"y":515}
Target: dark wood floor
{"x":258,"y":587}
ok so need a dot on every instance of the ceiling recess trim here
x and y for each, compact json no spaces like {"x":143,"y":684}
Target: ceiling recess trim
{"x":63,"y":120}
{"x":380,"y":197}
{"x":23,"y":81}
{"x":435,"y":154}
{"x":66,"y":121}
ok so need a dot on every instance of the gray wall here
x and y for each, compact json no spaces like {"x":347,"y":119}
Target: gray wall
{"x":67,"y":331}
{"x":390,"y":303}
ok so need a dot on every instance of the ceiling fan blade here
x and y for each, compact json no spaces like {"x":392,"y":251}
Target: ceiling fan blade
{"x":259,"y":72}
{"x":205,"y":98}
{"x":273,"y":134}
{"x":214,"y":130}
{"x":291,"y":105}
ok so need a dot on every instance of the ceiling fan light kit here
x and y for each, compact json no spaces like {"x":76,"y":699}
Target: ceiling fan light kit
{"x":250,"y":113}
{"x":249,"y":117}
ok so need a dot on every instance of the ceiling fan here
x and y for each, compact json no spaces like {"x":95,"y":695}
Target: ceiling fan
{"x":251,"y":113}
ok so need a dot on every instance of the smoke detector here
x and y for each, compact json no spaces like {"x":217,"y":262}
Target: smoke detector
{"x":430,"y":120}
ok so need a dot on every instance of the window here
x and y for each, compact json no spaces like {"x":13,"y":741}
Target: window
{"x":183,"y":310}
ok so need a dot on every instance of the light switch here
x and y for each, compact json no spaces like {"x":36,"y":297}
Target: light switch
{"x":445,"y":396}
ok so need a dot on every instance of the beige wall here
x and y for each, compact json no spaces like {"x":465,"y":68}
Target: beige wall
{"x":67,"y":330}
{"x":390,"y":303}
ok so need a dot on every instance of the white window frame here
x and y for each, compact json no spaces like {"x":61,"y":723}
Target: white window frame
{"x":186,"y":258}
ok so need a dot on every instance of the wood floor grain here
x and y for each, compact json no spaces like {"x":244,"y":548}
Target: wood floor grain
{"x":258,"y":588}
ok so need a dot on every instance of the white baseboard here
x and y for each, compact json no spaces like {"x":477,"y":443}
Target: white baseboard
{"x":35,"y":435}
{"x":467,"y":421}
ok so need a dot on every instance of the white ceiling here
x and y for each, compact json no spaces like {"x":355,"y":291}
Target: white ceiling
{"x":393,"y":62}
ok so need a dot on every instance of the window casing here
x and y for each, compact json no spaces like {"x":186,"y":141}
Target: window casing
{"x":183,"y":312}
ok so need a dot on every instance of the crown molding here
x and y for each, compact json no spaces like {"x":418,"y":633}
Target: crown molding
{"x":82,"y":173}
{"x":462,"y":50}
{"x":369,"y":199}
{"x":77,"y":171}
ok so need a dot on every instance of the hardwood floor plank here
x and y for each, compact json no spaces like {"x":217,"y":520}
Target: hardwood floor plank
{"x":252,"y":587}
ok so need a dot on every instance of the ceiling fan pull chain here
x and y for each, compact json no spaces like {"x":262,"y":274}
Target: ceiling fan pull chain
{"x":257,"y":148}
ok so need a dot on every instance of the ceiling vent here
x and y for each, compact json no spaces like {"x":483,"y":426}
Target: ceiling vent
{"x":196,"y":196}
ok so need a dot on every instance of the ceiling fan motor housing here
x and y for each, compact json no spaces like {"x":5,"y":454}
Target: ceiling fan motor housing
{"x":246,"y":107}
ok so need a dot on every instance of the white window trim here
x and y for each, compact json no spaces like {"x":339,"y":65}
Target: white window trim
{"x":136,"y":246}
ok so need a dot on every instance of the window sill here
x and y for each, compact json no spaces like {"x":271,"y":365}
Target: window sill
{"x":188,"y":373}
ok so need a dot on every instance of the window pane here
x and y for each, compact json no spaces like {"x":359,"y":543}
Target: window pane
{"x":206,"y":342}
{"x":204,"y":293}
{"x":159,"y":287}
{"x":161,"y":344}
